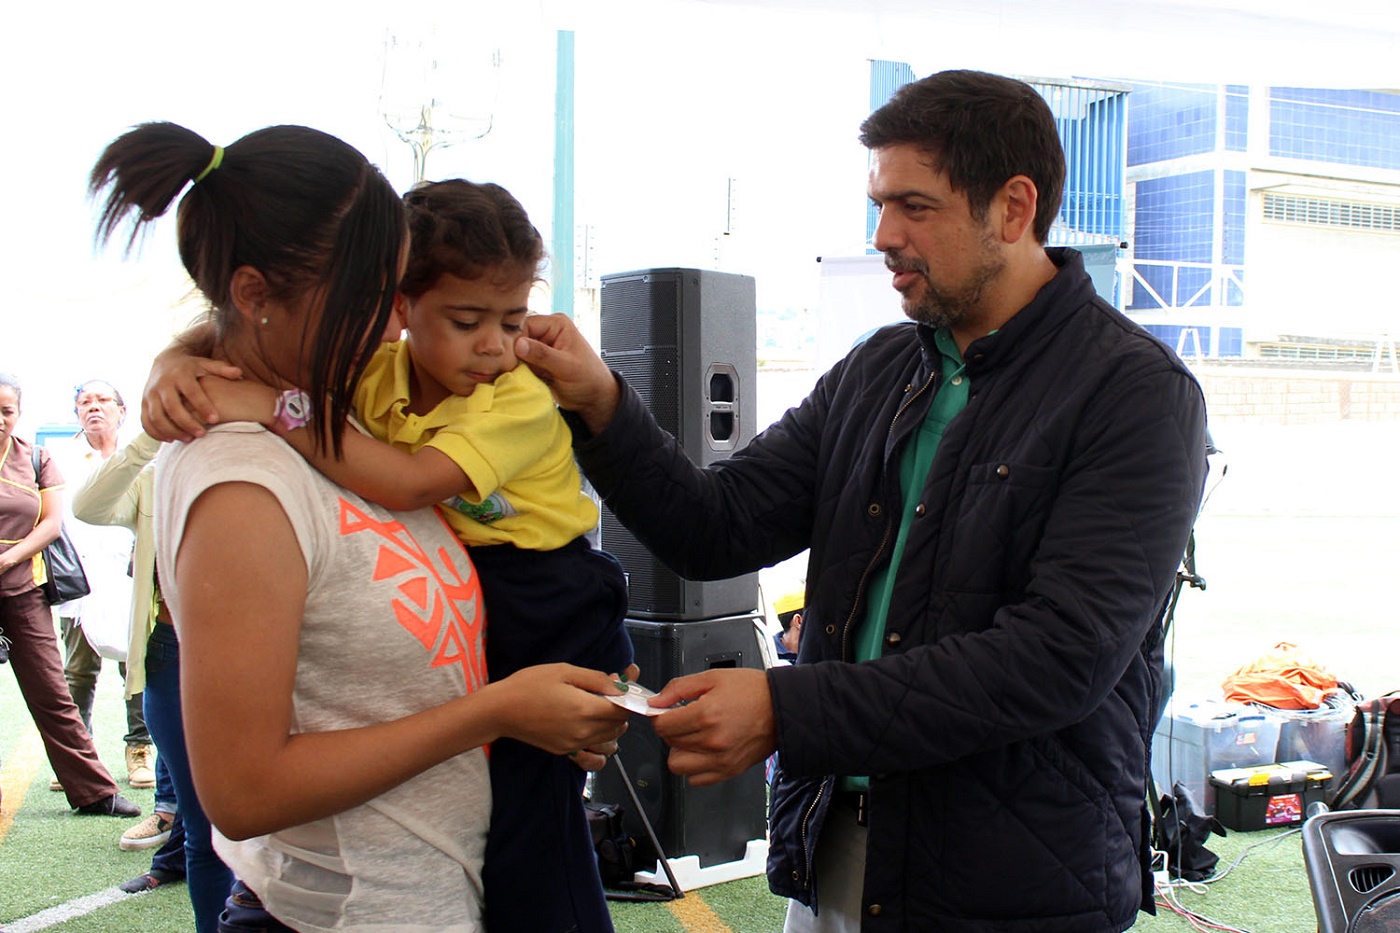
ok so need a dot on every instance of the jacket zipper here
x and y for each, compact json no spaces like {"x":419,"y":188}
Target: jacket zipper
{"x":807,"y":853}
{"x":884,"y":539}
{"x":845,"y":643}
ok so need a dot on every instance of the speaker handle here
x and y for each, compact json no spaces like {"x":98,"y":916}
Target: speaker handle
{"x":722,"y":425}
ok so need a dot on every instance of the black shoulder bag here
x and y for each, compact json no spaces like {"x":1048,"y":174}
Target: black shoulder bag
{"x":66,"y":579}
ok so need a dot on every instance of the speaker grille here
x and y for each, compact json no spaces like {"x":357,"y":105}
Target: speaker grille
{"x":642,"y":314}
{"x":641,"y":340}
{"x":650,"y":585}
{"x":1381,"y":915}
{"x":656,"y":377}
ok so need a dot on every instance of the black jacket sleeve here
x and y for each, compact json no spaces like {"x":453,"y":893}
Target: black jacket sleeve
{"x":732,"y":517}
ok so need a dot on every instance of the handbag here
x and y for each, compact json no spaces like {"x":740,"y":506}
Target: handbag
{"x":65,"y":577}
{"x":104,"y":617}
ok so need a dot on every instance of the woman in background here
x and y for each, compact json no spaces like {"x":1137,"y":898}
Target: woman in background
{"x":106,"y":555}
{"x":31,"y":516}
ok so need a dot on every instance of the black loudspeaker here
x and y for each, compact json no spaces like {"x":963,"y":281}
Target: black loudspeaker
{"x":714,"y":823}
{"x":686,"y":340}
{"x":1353,"y":862}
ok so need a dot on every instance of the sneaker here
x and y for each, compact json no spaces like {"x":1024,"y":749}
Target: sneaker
{"x":150,"y":880}
{"x":55,"y":786}
{"x":153,"y":831}
{"x":141,"y":766}
{"x":115,"y":805}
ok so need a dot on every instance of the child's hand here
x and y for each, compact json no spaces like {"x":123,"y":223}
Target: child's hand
{"x":239,"y":400}
{"x":594,"y":759}
{"x":174,"y":406}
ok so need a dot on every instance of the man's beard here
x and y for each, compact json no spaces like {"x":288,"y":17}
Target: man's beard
{"x":949,"y":306}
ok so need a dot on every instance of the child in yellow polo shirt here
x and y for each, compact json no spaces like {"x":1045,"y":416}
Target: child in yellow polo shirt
{"x":465,"y":427}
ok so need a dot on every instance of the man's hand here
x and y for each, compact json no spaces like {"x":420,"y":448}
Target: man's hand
{"x":553,"y":347}
{"x":727,"y":727}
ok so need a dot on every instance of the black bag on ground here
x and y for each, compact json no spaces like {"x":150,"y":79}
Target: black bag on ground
{"x":1372,"y":780}
{"x":616,"y":850}
{"x":1182,"y":831}
{"x":617,"y":857}
{"x":66,"y":579}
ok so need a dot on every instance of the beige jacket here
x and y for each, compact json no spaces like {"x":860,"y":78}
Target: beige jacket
{"x":122,"y":492}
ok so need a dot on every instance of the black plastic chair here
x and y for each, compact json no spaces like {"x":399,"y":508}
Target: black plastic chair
{"x":1353,"y":861}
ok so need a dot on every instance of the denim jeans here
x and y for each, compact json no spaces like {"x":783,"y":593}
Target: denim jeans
{"x":165,"y":786}
{"x":208,"y":878}
{"x":170,"y":857}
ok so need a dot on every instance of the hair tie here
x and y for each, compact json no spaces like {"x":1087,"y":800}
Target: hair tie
{"x":214,"y":162}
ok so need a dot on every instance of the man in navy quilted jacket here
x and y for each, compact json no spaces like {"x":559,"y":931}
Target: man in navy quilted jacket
{"x":996,"y":497}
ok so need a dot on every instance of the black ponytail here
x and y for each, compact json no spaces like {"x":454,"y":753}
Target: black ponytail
{"x":302,"y":207}
{"x":146,"y":169}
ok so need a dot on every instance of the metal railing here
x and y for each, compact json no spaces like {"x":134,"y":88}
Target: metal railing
{"x":1215,"y":288}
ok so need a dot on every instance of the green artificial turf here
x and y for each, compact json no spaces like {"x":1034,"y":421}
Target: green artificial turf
{"x":746,"y":906}
{"x":1267,"y":892}
{"x":51,"y":857}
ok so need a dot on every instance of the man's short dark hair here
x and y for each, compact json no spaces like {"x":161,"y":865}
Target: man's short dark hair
{"x":979,"y":129}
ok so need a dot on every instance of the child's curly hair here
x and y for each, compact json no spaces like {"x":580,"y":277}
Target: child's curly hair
{"x":462,"y":228}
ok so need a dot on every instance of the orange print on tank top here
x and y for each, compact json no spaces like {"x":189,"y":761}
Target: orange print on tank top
{"x":439,"y":598}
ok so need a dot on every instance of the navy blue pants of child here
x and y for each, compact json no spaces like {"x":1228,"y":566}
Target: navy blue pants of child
{"x":541,"y":873}
{"x":244,"y":913}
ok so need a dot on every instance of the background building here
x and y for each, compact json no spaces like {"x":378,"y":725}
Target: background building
{"x":1263,"y":221}
{"x":1232,"y":221}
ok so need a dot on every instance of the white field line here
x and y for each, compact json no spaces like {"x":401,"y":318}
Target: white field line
{"x":53,"y":916}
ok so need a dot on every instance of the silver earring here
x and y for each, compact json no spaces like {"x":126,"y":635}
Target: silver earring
{"x":264,"y":322}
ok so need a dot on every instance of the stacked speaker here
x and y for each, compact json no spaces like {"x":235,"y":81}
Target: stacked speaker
{"x":1353,"y":864}
{"x":686,"y":341}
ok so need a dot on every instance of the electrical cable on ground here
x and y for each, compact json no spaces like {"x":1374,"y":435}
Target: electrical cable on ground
{"x":1166,"y":890}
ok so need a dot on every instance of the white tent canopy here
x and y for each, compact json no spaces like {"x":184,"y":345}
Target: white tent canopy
{"x":716,"y":133}
{"x":1310,"y":43}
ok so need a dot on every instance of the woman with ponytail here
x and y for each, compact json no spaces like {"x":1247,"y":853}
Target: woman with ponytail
{"x":332,"y":675}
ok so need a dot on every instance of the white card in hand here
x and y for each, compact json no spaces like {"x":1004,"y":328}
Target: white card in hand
{"x":635,"y":699}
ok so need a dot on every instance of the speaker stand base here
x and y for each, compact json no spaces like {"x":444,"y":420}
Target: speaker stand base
{"x":689,"y":874}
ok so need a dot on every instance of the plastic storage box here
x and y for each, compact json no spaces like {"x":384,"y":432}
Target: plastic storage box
{"x":1194,"y":739}
{"x":1249,"y":799}
{"x":1318,"y":735}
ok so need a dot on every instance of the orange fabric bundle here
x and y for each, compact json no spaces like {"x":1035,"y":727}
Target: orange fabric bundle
{"x":1284,"y":677}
